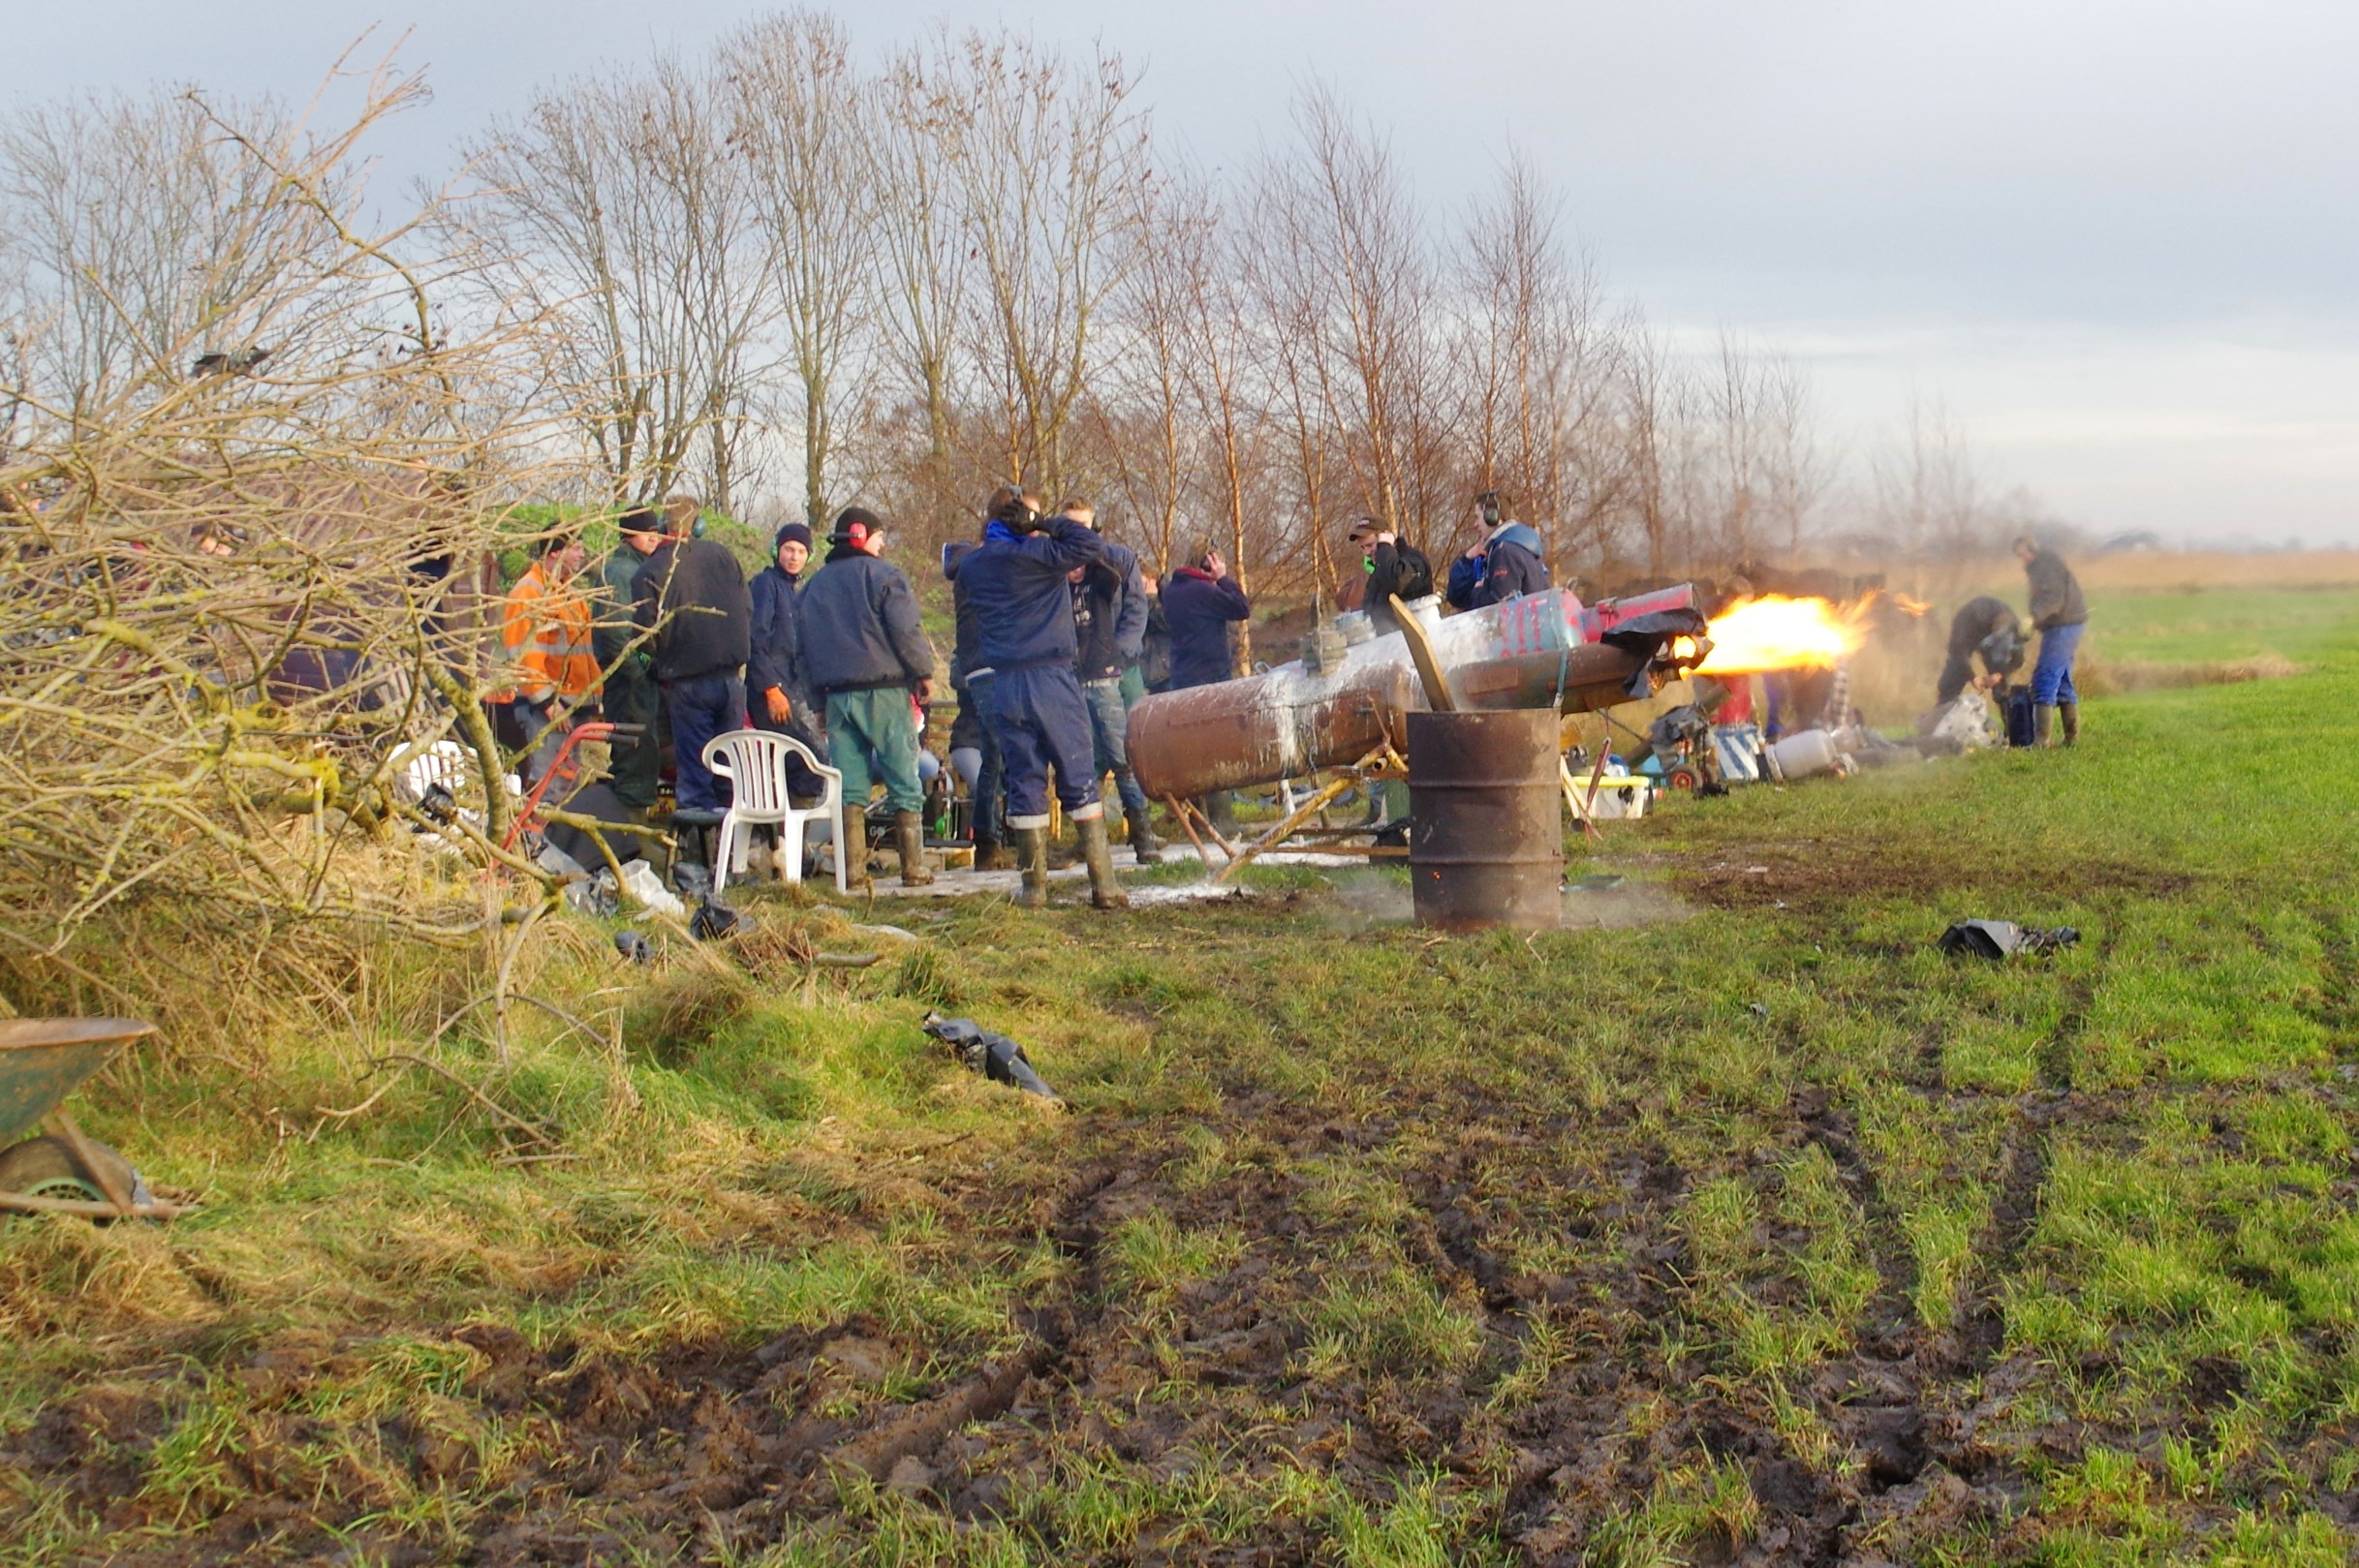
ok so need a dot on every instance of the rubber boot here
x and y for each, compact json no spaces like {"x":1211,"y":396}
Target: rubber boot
{"x":2070,"y":714}
{"x":1143,"y":848}
{"x":989,"y":853}
{"x":908,"y":837}
{"x":1105,"y":892}
{"x":2043,"y":725}
{"x":1032,"y":860}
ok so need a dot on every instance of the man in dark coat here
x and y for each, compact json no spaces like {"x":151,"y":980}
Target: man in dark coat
{"x":1510,"y":563}
{"x":691,"y":595}
{"x":630,"y":694}
{"x":1394,"y":569}
{"x":1200,"y":602}
{"x":1110,"y":629}
{"x":864,"y":652}
{"x":777,"y":693}
{"x":1023,"y":601}
{"x":2059,"y":613}
{"x":1985,"y":628}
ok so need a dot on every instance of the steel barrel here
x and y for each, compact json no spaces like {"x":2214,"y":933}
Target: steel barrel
{"x":1485,"y":844}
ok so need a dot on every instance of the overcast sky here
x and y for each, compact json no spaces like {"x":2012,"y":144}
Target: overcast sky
{"x":2116,"y":242}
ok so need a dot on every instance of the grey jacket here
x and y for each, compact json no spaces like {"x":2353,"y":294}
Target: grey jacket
{"x":856,"y":622}
{"x":2056,"y":594}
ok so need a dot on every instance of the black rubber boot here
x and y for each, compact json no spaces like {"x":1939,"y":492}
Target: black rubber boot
{"x":1105,"y":892}
{"x":2043,"y":725}
{"x":989,"y":854}
{"x":908,"y":837}
{"x":2070,"y":714}
{"x":1143,"y":848}
{"x":1032,"y":860}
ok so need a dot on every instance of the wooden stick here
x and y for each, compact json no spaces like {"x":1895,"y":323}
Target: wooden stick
{"x":1300,"y":814}
{"x":23,"y":1205}
{"x":1421,"y":654}
{"x":1179,"y":814}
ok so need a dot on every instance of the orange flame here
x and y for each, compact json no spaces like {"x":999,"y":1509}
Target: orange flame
{"x":1773,"y":632}
{"x":1908,"y":605}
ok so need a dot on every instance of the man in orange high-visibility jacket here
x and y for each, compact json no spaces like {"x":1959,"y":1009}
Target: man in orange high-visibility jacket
{"x":545,"y":630}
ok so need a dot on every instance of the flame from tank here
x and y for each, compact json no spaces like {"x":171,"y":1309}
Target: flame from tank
{"x":1774,"y":632}
{"x":1908,"y":605}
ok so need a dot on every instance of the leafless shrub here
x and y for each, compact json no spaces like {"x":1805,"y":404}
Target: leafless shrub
{"x":245,"y":520}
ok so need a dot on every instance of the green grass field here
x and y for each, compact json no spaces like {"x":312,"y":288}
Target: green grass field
{"x":1734,"y":1225}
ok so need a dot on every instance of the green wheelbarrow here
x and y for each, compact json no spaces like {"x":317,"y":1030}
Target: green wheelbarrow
{"x":65,"y":1170}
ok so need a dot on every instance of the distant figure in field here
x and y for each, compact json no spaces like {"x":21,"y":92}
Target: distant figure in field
{"x":1199,"y":602}
{"x":1984,"y":627}
{"x":2058,"y":614}
{"x":1394,"y":567}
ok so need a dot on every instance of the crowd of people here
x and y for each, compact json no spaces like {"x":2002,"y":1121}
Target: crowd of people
{"x":1059,"y":630}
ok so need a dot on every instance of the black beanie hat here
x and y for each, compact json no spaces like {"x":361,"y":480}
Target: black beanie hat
{"x":640,"y":520}
{"x":799,"y":533}
{"x":850,"y":517}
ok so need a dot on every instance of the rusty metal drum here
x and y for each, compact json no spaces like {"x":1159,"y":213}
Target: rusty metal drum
{"x":1486,"y":845}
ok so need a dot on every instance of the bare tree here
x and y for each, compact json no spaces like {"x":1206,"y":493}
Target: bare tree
{"x":921,"y":254}
{"x":620,"y":208}
{"x":1533,"y":364}
{"x":804,"y":123}
{"x":1044,"y":170}
{"x":1349,"y":212}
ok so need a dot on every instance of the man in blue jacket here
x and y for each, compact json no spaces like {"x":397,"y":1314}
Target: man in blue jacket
{"x":864,"y":652}
{"x":1024,"y":625}
{"x":1508,"y":564}
{"x":1200,"y":602}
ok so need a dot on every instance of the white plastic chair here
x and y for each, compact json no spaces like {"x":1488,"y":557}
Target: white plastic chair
{"x":755,"y":763}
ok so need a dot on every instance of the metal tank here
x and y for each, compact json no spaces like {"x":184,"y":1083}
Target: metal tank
{"x":1485,"y":844}
{"x":1540,"y":650}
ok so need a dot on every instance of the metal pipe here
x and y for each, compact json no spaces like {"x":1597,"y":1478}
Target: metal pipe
{"x":1536,"y":651}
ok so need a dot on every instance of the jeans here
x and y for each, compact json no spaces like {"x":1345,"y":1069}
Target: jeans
{"x":872,"y":738}
{"x":1044,"y":723}
{"x":701,"y":708}
{"x":541,"y":737}
{"x":991,"y":783}
{"x":2052,"y":675}
{"x":1109,"y":724}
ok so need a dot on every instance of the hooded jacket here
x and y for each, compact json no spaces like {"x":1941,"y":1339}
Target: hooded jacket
{"x":856,"y":625}
{"x":1199,"y":606}
{"x":2056,"y":594}
{"x":692,"y":591}
{"x":1513,"y":565}
{"x":1023,"y":606}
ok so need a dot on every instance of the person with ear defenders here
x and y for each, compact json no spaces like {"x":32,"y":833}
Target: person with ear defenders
{"x":1024,"y":633}
{"x":1508,"y":564}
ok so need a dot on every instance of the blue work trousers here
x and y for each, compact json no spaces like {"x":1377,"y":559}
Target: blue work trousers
{"x":1109,"y":720}
{"x":1044,"y":723}
{"x":2052,"y":675}
{"x":701,"y":708}
{"x":991,"y":782}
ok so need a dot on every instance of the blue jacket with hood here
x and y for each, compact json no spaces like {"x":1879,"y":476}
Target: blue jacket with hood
{"x":1510,"y":566}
